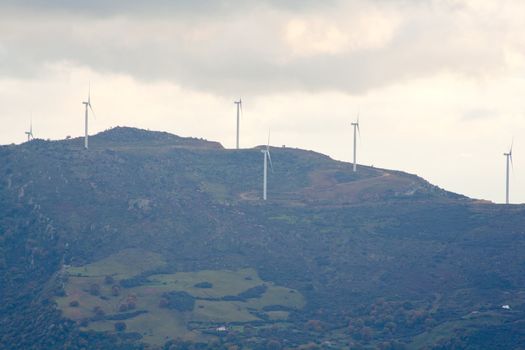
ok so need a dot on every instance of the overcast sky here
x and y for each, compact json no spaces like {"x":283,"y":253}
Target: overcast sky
{"x":439,"y":84}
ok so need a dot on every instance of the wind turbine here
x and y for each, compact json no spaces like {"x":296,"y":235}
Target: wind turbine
{"x":30,"y":132}
{"x":356,"y":130}
{"x":88,"y":106}
{"x":509,"y":160}
{"x":239,"y":112}
{"x":267,"y":157}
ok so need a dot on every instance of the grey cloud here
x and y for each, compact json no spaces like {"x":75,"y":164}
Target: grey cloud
{"x":115,"y":7}
{"x":243,"y":58}
{"x":155,"y":7}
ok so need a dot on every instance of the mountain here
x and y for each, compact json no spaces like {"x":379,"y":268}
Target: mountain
{"x":152,"y":241}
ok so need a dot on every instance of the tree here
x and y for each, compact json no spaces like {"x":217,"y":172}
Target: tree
{"x":163,"y":303}
{"x":131,"y":301}
{"x":99,"y":312}
{"x":120,"y":326}
{"x":94,"y":289}
{"x":181,"y":301}
{"x":115,"y":290}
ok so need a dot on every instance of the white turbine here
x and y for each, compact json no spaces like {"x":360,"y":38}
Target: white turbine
{"x":508,"y":157}
{"x":88,"y":107}
{"x":267,"y":157}
{"x":30,"y":132}
{"x":356,"y":130}
{"x":239,"y":112}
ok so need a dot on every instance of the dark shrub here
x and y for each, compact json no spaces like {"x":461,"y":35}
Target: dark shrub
{"x":99,"y":313}
{"x":163,"y":303}
{"x":115,"y":290}
{"x":120,"y":326}
{"x":94,"y":289}
{"x":60,"y":292}
{"x":109,"y":280}
{"x":205,"y":285}
{"x":131,"y":301}
{"x":255,"y":292}
{"x":252,"y":293}
{"x":74,"y":303}
{"x":180,"y":301}
{"x":133,"y":282}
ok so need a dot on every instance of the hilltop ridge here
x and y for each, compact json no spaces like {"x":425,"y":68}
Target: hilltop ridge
{"x":148,"y":237}
{"x":299,"y":176}
{"x":125,"y":135}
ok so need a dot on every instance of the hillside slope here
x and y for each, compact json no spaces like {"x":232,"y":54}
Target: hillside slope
{"x":149,"y":227}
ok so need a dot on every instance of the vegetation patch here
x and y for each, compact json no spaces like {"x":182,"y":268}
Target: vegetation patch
{"x":125,"y":264}
{"x":182,"y":305}
{"x":180,"y":301}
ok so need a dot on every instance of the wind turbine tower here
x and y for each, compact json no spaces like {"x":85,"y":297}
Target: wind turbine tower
{"x":88,"y":107}
{"x":267,"y":158}
{"x":239,"y":111}
{"x":30,"y":132}
{"x":508,"y":157}
{"x":356,"y":130}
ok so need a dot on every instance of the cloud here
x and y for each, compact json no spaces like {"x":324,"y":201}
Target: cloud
{"x":139,"y":8}
{"x":227,"y":47}
{"x":309,"y":35}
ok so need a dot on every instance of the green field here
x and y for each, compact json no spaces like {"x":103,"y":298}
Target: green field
{"x":124,"y":264}
{"x":219,"y":303}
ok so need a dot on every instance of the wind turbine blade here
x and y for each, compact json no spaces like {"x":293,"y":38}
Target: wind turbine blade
{"x":240,"y":106}
{"x":268,"y":144}
{"x":270,"y":159}
{"x":94,"y":115}
{"x":357,"y":123}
